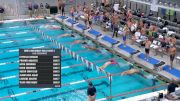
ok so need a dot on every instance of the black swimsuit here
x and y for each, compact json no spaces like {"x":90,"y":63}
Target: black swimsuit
{"x":172,"y":56}
{"x":147,"y":50}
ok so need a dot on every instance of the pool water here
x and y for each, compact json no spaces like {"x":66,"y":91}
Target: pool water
{"x":17,"y":35}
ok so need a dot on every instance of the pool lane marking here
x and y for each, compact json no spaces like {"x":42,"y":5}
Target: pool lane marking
{"x":5,"y":42}
{"x":5,"y":63}
{"x":16,"y":50}
{"x":38,"y":47}
{"x":15,"y":27}
{"x":8,"y":77}
{"x":2,"y":34}
{"x":77,"y":82}
{"x":30,"y":39}
{"x":19,"y":33}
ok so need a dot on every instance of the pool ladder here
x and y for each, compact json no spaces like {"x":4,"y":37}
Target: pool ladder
{"x":11,"y":92}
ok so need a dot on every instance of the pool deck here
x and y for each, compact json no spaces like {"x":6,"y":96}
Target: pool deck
{"x":165,"y":58}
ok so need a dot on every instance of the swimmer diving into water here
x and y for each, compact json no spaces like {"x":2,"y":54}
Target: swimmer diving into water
{"x":110,"y":62}
{"x":131,"y":71}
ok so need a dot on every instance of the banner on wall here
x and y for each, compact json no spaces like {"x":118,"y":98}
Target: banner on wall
{"x":154,"y":6}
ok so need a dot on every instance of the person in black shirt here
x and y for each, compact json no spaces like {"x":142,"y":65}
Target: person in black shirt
{"x":47,"y":6}
{"x":171,"y":87}
{"x":36,"y":7}
{"x":30,"y":8}
{"x":1,"y":13}
{"x":91,"y":92}
{"x":41,"y":10}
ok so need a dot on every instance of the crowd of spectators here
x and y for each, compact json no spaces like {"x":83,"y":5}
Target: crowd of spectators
{"x":121,"y":22}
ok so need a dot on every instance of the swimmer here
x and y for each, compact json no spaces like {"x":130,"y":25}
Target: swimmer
{"x":107,"y":64}
{"x":65,"y":35}
{"x":78,"y":42}
{"x":131,"y":71}
{"x":50,"y":26}
{"x":55,"y":27}
{"x":90,"y":47}
{"x":137,"y":71}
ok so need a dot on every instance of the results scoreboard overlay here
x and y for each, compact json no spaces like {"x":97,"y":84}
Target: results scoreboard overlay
{"x":39,"y":68}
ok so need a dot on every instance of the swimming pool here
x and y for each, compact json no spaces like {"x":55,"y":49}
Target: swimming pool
{"x":17,"y":35}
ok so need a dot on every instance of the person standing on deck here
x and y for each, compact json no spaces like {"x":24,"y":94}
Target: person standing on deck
{"x":86,"y":17}
{"x":36,"y":7}
{"x":30,"y":9}
{"x":1,"y":13}
{"x":91,"y":92}
{"x":47,"y":6}
{"x":115,"y":22}
{"x":147,"y":48}
{"x":41,"y":9}
{"x":72,"y":11}
{"x":61,"y":7}
{"x":90,"y":19}
{"x":172,"y":53}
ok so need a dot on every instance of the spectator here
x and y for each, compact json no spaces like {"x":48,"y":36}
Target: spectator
{"x":36,"y":7}
{"x":143,"y":31}
{"x":90,"y":19}
{"x":61,"y":6}
{"x":155,"y":30}
{"x":115,"y":22}
{"x":147,"y":48}
{"x":141,"y":24}
{"x":72,"y":10}
{"x":30,"y":9}
{"x":129,"y":14}
{"x":125,"y":33}
{"x":91,"y":92}
{"x":150,"y":13}
{"x":172,"y":53}
{"x":1,"y":13}
{"x":172,"y":40}
{"x":136,"y":36}
{"x":47,"y":6}
{"x":41,"y":9}
{"x":85,"y":18}
{"x":133,"y":27}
